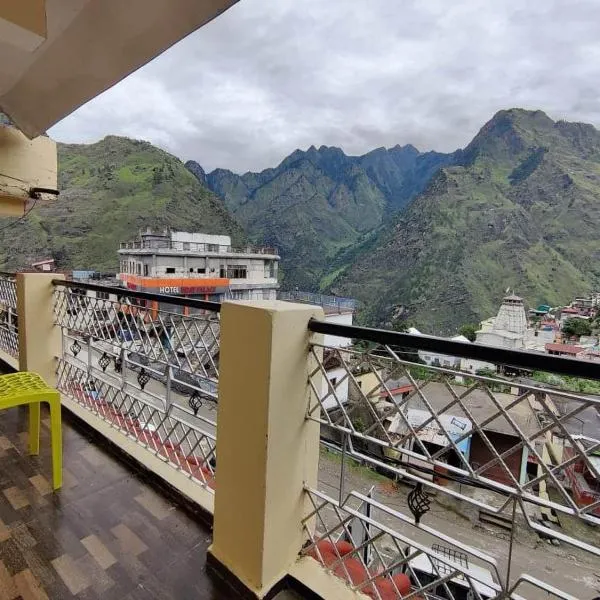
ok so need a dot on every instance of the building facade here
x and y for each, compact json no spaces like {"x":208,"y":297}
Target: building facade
{"x":198,"y":265}
{"x":508,"y":329}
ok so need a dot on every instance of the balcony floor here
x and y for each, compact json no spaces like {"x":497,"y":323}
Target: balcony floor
{"x":106,"y":534}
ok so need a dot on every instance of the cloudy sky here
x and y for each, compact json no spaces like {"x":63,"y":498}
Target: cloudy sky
{"x":269,"y":76}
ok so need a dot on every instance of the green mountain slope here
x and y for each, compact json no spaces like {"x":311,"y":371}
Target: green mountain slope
{"x":522,"y":210}
{"x":317,"y":205}
{"x":109,"y":191}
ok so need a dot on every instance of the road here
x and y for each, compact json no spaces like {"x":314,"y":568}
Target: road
{"x":566,"y":568}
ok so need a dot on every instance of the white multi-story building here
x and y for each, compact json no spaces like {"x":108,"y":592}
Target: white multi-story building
{"x":198,"y":265}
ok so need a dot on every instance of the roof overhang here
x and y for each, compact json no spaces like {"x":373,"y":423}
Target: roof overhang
{"x":58,"y":54}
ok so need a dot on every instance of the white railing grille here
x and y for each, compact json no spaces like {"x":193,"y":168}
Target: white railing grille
{"x":150,"y":372}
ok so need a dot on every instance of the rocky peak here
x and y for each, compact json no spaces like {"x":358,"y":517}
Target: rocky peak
{"x":196,"y":170}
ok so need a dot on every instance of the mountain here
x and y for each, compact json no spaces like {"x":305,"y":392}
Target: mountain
{"x":317,"y":204}
{"x":108,"y":192}
{"x":520,"y":209}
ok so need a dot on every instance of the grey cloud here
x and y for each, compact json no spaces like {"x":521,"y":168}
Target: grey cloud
{"x":268,"y":77}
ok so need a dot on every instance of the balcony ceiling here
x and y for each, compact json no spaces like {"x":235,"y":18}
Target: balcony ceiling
{"x":58,"y":54}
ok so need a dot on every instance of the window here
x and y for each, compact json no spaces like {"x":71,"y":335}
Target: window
{"x":270,"y":269}
{"x":222,"y":272}
{"x":186,"y":246}
{"x":191,"y":269}
{"x":199,"y":270}
{"x":102,"y":295}
{"x":146,"y":270}
{"x":237,"y":272}
{"x":170,"y":270}
{"x":212,"y":248}
{"x":139,"y":268}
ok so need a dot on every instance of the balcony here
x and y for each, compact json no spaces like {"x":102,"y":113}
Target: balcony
{"x":109,"y":533}
{"x":168,"y":246}
{"x":346,"y":471}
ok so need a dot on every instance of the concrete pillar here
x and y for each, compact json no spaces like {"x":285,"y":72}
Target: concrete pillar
{"x":39,"y":338}
{"x":24,"y":164}
{"x":266,"y":449}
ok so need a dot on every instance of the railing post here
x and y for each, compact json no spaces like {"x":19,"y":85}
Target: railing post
{"x":266,"y":449}
{"x":39,"y":338}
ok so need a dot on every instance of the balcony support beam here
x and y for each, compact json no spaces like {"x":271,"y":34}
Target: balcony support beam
{"x":266,"y":449}
{"x":39,"y":337}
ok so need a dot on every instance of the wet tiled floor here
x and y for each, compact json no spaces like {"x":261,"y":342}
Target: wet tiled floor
{"x":107,"y":534}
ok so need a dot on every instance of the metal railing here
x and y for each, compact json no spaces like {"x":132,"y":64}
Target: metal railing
{"x":319,"y":300}
{"x":9,"y":321}
{"x":196,"y":247}
{"x":384,"y":554}
{"x":498,"y":445}
{"x":148,"y":365}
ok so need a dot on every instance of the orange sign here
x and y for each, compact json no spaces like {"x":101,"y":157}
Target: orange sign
{"x":173,"y":285}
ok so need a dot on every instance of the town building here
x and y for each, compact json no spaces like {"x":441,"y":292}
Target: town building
{"x":443,"y":360}
{"x":46,"y":265}
{"x":584,"y":477}
{"x":337,"y":310}
{"x":340,"y":311}
{"x":198,"y":265}
{"x":508,"y":329}
{"x":455,"y":423}
{"x":568,"y":313}
{"x":568,"y":350}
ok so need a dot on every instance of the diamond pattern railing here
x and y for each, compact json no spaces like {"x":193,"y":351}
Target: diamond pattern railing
{"x":150,"y":372}
{"x":516,"y":451}
{"x":188,"y":343}
{"x":423,"y":421}
{"x":174,"y":434}
{"x":385,"y":555}
{"x":9,"y":323}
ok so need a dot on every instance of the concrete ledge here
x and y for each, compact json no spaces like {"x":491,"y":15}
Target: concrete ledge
{"x":156,"y":465}
{"x":312,"y":576}
{"x":9,"y":359}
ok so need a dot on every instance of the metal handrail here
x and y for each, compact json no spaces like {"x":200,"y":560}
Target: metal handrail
{"x":124,"y":292}
{"x":530,"y":360}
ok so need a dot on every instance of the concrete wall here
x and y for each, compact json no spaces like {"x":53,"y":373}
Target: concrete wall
{"x":341,"y":384}
{"x":256,"y":268}
{"x":341,"y":319}
{"x":200,"y":238}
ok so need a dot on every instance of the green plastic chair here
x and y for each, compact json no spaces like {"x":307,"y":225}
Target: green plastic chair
{"x":29,"y":388}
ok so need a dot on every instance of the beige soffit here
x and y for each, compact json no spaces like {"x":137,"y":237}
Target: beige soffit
{"x":58,"y":54}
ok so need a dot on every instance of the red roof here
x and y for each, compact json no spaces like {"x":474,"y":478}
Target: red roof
{"x":570,"y":310}
{"x":564,"y":348}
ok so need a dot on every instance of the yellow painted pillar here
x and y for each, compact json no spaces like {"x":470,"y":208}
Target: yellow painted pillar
{"x":39,"y":338}
{"x":24,"y":164}
{"x":266,"y":449}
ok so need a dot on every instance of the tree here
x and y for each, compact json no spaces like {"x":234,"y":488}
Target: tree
{"x":577,"y":327}
{"x":469,"y":331}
